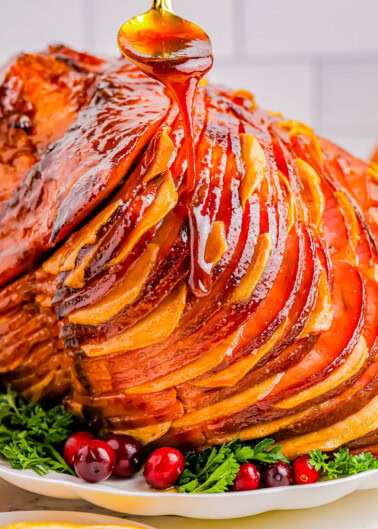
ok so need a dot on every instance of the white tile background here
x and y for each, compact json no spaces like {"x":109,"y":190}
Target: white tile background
{"x":314,"y":60}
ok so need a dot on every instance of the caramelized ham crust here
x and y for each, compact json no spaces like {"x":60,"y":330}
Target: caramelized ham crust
{"x":98,"y":243}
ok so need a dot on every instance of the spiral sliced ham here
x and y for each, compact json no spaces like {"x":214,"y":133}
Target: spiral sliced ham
{"x":96,"y":253}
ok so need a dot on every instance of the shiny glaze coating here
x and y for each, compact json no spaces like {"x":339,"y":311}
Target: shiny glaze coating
{"x":177,"y":53}
{"x":283,"y":345}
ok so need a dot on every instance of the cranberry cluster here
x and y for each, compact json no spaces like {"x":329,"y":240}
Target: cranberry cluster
{"x":122,"y":455}
{"x":276,"y":475}
{"x":95,"y":460}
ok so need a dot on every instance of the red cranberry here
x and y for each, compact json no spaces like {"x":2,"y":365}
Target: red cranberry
{"x":128,"y":453}
{"x":73,"y":443}
{"x":163,"y":468}
{"x":304,"y":472}
{"x":94,"y":461}
{"x":248,"y":477}
{"x":277,"y":475}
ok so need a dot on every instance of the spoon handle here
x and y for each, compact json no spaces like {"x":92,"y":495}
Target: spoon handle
{"x":162,"y":5}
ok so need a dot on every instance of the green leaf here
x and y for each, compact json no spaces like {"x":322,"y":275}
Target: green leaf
{"x":215,"y":469}
{"x":342,"y":464}
{"x":31,"y":437}
{"x":219,"y":480}
{"x":244,"y":454}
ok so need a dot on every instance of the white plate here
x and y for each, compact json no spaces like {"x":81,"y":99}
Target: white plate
{"x":134,"y":497}
{"x":79,"y":518}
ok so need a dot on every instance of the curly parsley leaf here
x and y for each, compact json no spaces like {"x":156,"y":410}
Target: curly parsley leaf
{"x":342,"y":463}
{"x":31,"y":437}
{"x":218,"y":479}
{"x":262,"y":452}
{"x":215,"y":469}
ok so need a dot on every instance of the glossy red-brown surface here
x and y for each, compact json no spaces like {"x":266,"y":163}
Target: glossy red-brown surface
{"x":40,"y":97}
{"x":82,"y":166}
{"x":177,"y":53}
{"x":284,"y":344}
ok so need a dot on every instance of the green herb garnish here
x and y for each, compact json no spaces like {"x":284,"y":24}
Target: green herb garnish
{"x":32,"y":437}
{"x":215,"y":469}
{"x":342,"y":463}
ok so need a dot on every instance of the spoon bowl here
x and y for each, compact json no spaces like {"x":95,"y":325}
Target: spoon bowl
{"x":161,"y":43}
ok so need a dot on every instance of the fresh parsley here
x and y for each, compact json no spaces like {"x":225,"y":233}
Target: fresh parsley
{"x":215,"y":469}
{"x":32,"y":437}
{"x":342,"y":464}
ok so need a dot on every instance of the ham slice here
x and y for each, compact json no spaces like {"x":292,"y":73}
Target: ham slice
{"x":98,"y":236}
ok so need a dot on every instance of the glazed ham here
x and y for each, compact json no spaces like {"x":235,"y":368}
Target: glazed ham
{"x":100,"y":242}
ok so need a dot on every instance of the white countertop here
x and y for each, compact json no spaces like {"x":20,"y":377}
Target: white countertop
{"x":357,"y":511}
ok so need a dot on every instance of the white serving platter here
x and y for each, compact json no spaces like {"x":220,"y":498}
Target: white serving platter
{"x":134,"y":497}
{"x":77,"y":518}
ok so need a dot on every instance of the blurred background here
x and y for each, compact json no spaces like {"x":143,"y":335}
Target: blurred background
{"x":315,"y":61}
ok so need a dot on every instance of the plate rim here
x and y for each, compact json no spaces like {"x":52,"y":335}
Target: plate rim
{"x":135,"y":500}
{"x":107,"y":489}
{"x":104,"y":518}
